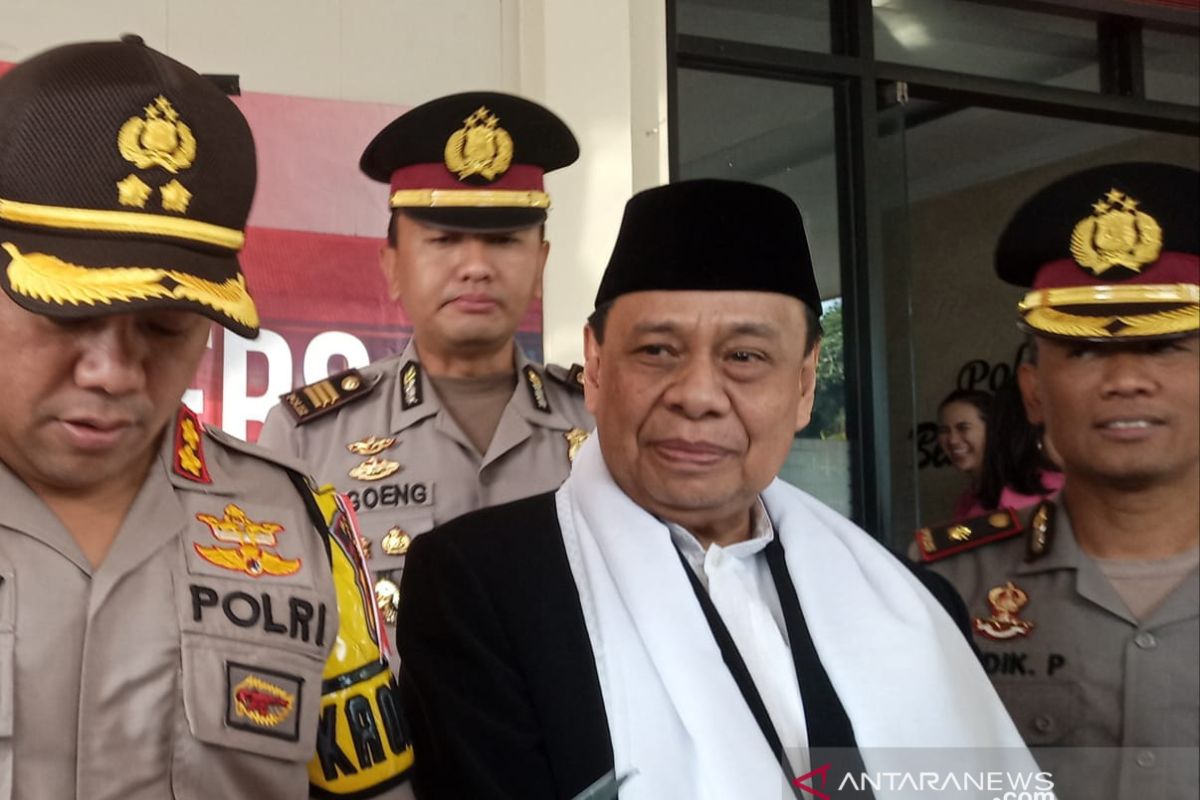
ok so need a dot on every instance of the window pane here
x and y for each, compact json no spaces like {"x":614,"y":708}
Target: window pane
{"x":1172,"y":62}
{"x":988,"y":40}
{"x":781,"y":134}
{"x":798,"y":24}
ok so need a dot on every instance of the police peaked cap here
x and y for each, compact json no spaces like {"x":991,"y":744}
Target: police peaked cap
{"x":471,"y":161}
{"x":125,"y":182}
{"x":1110,"y":254}
{"x":711,"y":235}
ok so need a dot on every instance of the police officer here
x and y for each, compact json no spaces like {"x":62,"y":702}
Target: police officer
{"x":181,"y":615}
{"x":460,"y":419}
{"x":1087,"y":611}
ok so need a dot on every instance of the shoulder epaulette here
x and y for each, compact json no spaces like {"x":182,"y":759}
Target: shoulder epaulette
{"x":572,"y":378}
{"x":189,"y":447}
{"x":941,"y":541}
{"x":328,"y":394}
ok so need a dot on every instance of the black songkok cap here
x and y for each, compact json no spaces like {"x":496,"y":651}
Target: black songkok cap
{"x":125,"y":182}
{"x":471,"y":161}
{"x":711,"y":235}
{"x":1110,"y":253}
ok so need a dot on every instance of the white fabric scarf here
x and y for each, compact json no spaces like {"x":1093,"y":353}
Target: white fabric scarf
{"x":900,"y":667}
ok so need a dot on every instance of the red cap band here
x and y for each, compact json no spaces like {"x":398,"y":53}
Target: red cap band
{"x":1169,"y":268}
{"x":518,"y":177}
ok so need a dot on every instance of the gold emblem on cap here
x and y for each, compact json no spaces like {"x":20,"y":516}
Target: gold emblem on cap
{"x":1117,"y":234}
{"x":575,"y":439}
{"x":396,"y":541}
{"x":374,"y":469}
{"x":480,"y":147}
{"x":1005,"y":602}
{"x":370,"y":446}
{"x":387,"y":599}
{"x":161,"y":139}
{"x":133,"y":191}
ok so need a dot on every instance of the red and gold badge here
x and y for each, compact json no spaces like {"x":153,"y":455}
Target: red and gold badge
{"x":1005,"y":602}
{"x":252,"y":551}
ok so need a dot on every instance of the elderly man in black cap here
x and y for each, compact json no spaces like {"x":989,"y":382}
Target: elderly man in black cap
{"x":1088,"y":613}
{"x":683,"y":620}
{"x":462,"y":418}
{"x":181,"y":615}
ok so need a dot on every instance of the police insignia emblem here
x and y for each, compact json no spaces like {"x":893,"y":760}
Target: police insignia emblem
{"x":1005,"y":602}
{"x":575,"y":439}
{"x":1117,"y":234}
{"x":537,"y":390}
{"x":189,"y":449}
{"x":387,"y":599}
{"x":370,"y":446}
{"x":374,"y":469}
{"x":410,"y":381}
{"x":395,"y":542}
{"x":480,"y":147}
{"x":252,"y":552}
{"x":161,"y":139}
{"x":261,"y":702}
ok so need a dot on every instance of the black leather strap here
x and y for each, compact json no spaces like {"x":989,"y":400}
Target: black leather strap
{"x":741,"y":674}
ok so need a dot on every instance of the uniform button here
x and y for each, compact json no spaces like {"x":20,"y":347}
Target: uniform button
{"x":1043,"y":723}
{"x":1145,"y":759}
{"x":1145,"y":640}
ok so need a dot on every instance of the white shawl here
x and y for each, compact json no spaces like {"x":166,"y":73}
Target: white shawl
{"x":902,"y":670}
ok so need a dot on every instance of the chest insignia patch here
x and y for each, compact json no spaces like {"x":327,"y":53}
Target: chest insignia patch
{"x":252,"y":544}
{"x":374,"y":469}
{"x":1004,"y":623}
{"x":262,"y":701}
{"x":396,"y":541}
{"x":575,"y":439}
{"x":371,"y":446}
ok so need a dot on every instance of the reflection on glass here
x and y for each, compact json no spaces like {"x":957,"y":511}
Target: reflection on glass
{"x":798,"y":24}
{"x":781,"y":134}
{"x":1172,"y":62}
{"x":986,"y":39}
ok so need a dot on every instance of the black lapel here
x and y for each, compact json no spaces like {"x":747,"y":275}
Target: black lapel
{"x":830,"y":734}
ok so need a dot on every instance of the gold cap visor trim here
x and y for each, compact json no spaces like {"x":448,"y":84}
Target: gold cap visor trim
{"x":50,"y":280}
{"x":1040,"y":311}
{"x":1099,"y":295}
{"x":468,"y":198}
{"x":90,"y":219}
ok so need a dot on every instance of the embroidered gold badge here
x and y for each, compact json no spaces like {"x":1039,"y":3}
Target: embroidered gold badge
{"x":374,"y":469}
{"x":252,"y":543}
{"x":480,"y":147}
{"x":1117,"y":234}
{"x":370,"y":446}
{"x":387,"y":599}
{"x":133,"y":191}
{"x":395,"y":542}
{"x":262,"y":702}
{"x":1005,"y":601}
{"x":575,"y":439}
{"x":189,"y":460}
{"x":161,"y":139}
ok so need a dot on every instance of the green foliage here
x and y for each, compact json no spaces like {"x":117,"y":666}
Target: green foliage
{"x":829,"y":409}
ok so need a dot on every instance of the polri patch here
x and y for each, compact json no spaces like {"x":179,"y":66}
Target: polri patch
{"x":262,"y":701}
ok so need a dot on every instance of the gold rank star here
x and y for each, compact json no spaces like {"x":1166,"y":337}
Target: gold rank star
{"x":175,"y":197}
{"x":133,"y":191}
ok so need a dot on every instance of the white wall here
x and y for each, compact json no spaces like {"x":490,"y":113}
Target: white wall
{"x":601,"y":66}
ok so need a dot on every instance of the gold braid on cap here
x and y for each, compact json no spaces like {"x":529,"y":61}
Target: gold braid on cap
{"x":51,"y":280}
{"x":1160,"y":323}
{"x":469,"y":198}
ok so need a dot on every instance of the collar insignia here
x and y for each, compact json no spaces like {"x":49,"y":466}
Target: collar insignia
{"x":480,"y":147}
{"x":189,"y":447}
{"x":252,"y":551}
{"x":575,"y":439}
{"x":1117,"y":234}
{"x":374,"y":469}
{"x":370,"y":446}
{"x":537,"y":390}
{"x":410,"y":384}
{"x":1005,"y":601}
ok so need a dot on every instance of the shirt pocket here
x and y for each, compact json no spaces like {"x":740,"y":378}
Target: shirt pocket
{"x":250,"y":715}
{"x":1045,"y":711}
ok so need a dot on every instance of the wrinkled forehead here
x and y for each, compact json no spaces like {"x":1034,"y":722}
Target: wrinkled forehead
{"x":752,"y":312}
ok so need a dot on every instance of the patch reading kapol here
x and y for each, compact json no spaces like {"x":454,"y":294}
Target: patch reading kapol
{"x":262,"y":701}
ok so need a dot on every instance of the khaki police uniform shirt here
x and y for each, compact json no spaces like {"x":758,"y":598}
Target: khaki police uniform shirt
{"x":1121,"y":695}
{"x":438,"y":474}
{"x":167,"y":671}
